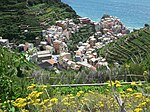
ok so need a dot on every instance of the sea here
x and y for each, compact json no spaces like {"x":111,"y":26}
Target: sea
{"x":133,"y":13}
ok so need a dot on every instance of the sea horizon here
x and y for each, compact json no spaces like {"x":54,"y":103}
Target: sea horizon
{"x":133,"y":13}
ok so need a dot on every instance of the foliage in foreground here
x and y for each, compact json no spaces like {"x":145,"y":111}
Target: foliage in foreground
{"x":135,"y":98}
{"x":14,"y":73}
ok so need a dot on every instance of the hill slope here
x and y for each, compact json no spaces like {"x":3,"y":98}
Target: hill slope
{"x":15,"y":74}
{"x":16,"y":16}
{"x":134,"y":47}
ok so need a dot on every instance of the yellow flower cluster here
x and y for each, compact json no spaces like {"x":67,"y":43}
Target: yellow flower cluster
{"x":34,"y":95}
{"x":20,"y":102}
{"x":116,"y":83}
{"x":54,"y":101}
{"x":129,"y":90}
{"x":92,"y":100}
{"x":138,"y":110}
{"x":133,"y":83}
{"x":80,"y":93}
{"x":31,"y":87}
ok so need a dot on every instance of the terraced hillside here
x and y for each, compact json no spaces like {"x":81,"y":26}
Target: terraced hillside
{"x":24,"y":19}
{"x":81,"y":36}
{"x":134,"y":47}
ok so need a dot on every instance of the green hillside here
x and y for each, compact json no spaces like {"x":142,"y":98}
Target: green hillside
{"x":134,"y":47}
{"x":81,"y":36}
{"x":22,"y":82}
{"x":32,"y":15}
{"x":15,"y":74}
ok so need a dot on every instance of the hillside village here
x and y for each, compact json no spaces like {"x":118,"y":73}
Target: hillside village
{"x":53,"y":50}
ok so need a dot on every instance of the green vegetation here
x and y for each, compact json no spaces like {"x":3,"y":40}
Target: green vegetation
{"x":132,"y":50}
{"x":84,"y":33}
{"x":15,"y":70}
{"x":134,"y":47}
{"x":114,"y":97}
{"x":14,"y":73}
{"x":32,"y":15}
{"x":18,"y":91}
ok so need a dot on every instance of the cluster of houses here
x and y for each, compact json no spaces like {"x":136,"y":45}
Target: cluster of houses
{"x":107,"y":30}
{"x":111,"y":27}
{"x":53,"y":51}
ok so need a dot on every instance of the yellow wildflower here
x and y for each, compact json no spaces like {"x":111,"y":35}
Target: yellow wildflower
{"x":20,"y":105}
{"x":31,"y":87}
{"x":122,"y":92}
{"x":42,"y":103}
{"x":31,"y":95}
{"x":46,"y":100}
{"x":72,"y":97}
{"x":138,"y":95}
{"x":117,"y":82}
{"x":43,"y":87}
{"x":37,"y":100}
{"x":101,"y":104}
{"x":142,"y":104}
{"x":148,"y":88}
{"x":66,"y":103}
{"x":138,"y":110}
{"x":145,"y":73}
{"x":64,"y":110}
{"x":8,"y":101}
{"x":111,"y":84}
{"x":24,"y":110}
{"x":129,"y":105}
{"x":54,"y":100}
{"x":147,"y":100}
{"x":129,"y":89}
{"x":50,"y":105}
{"x":81,"y":92}
{"x":127,"y":66}
{"x":118,"y":85}
{"x":78,"y":94}
{"x":20,"y":100}
{"x":38,"y":94}
{"x":44,"y":107}
{"x":133,"y":83}
{"x":83,"y":102}
{"x":65,"y":99}
{"x":140,"y":84}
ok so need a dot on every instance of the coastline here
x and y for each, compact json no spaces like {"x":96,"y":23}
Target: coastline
{"x":133,"y":18}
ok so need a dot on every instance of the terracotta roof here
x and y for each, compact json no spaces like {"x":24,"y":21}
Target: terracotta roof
{"x":51,"y":61}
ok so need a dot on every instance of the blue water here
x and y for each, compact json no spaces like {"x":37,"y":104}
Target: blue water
{"x":133,"y":13}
